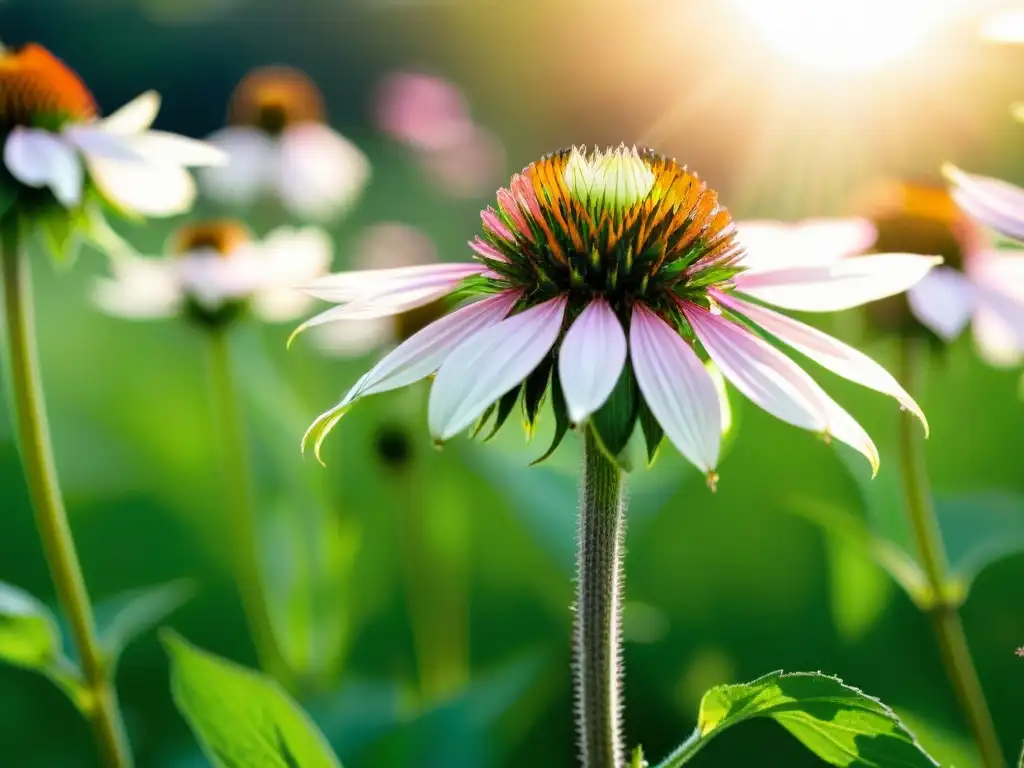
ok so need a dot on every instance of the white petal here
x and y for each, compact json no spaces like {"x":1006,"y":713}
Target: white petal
{"x":813,"y":242}
{"x":39,"y":159}
{"x":149,"y":190}
{"x":297,"y":256}
{"x":590,"y":359}
{"x":831,"y":353}
{"x":845,"y":284}
{"x":364,"y":285}
{"x":277,"y":305}
{"x":995,"y":203}
{"x":95,"y":142}
{"x":213,"y":279}
{"x":172,"y":149}
{"x":677,"y":388}
{"x":943,"y":301}
{"x":489,"y":364}
{"x":251,"y":167}
{"x":321,"y":172}
{"x":426,"y":350}
{"x":773,"y":382}
{"x":996,"y":341}
{"x":135,"y":116}
{"x":140,"y":289}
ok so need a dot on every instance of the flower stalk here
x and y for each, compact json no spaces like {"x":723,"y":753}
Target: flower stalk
{"x":100,"y":698}
{"x":941,"y":609}
{"x":597,"y":643}
{"x":240,"y":507}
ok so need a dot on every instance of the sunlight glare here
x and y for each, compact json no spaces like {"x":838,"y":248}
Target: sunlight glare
{"x":844,"y":35}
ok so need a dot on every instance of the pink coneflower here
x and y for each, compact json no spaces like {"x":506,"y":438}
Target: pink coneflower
{"x":607,"y":275}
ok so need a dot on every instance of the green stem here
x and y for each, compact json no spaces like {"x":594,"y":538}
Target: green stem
{"x":241,"y":510}
{"x":598,"y":643}
{"x":101,"y":707}
{"x":945,"y":618}
{"x":686,"y":750}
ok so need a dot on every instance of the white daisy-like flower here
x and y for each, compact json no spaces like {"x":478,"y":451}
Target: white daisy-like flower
{"x":279,"y":146}
{"x":58,"y":148}
{"x":389,"y":245}
{"x":606,"y":277}
{"x":215,"y":269}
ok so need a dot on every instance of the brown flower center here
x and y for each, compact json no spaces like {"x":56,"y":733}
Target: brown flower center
{"x":38,"y":89}
{"x":222,"y":236}
{"x":273,"y":98}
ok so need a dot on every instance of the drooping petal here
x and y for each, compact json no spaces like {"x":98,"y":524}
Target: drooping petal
{"x":251,"y":168}
{"x":39,"y":159}
{"x":677,"y":388}
{"x":320,"y":172}
{"x":362,"y":285}
{"x":426,"y":350}
{"x":142,"y":188}
{"x":95,"y":142}
{"x":590,"y":359}
{"x":813,"y":242}
{"x":994,"y":203}
{"x":488,"y":364}
{"x":290,"y":257}
{"x":842,"y":285}
{"x":831,"y":353}
{"x":212,"y":279}
{"x":943,"y":301}
{"x":140,"y":289}
{"x":773,"y":382}
{"x":998,"y":280}
{"x":170,"y":148}
{"x":134,"y":117}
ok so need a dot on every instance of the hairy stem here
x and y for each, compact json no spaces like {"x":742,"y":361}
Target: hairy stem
{"x":241,"y":508}
{"x":598,"y":642}
{"x":945,"y":618}
{"x":101,"y":706}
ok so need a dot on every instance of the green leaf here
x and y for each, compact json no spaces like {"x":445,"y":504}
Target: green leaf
{"x":561,"y":412}
{"x":505,"y":406}
{"x":124,"y":617}
{"x":614,"y":421}
{"x":29,"y":633}
{"x":534,"y":388}
{"x":241,"y":719}
{"x":653,"y":433}
{"x":840,"y":724}
{"x":637,"y":761}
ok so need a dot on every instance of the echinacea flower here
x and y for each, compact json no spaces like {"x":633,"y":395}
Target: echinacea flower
{"x":63,"y":156}
{"x":382,"y":246}
{"x":216,"y":269}
{"x":978,"y":283}
{"x":279,"y":145}
{"x":608,"y":273}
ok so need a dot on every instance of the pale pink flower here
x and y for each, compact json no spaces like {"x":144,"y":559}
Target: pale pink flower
{"x":424,"y":112}
{"x":604,"y":278}
{"x":280,"y":146}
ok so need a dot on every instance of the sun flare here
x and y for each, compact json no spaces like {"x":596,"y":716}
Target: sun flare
{"x":844,"y":36}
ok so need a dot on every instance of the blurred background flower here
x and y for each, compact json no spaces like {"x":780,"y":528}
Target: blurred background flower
{"x":279,"y":145}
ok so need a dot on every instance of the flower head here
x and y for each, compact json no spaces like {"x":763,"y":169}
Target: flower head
{"x":279,"y":145}
{"x":978,"y":283}
{"x":215,"y":270}
{"x":49,"y":126}
{"x":604,"y":277}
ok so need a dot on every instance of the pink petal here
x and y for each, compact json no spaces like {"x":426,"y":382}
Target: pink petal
{"x":943,"y":301}
{"x":364,"y":285}
{"x":995,"y":339}
{"x":522,"y":188}
{"x":487,"y":250}
{"x":590,"y":359}
{"x":493,"y":223}
{"x":845,"y":284}
{"x":773,"y":382}
{"x":677,"y":388}
{"x":424,"y":352}
{"x":831,"y":353}
{"x":997,"y":204}
{"x":489,"y":364}
{"x":813,"y":242}
{"x":511,"y":208}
